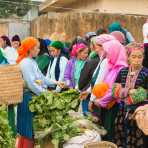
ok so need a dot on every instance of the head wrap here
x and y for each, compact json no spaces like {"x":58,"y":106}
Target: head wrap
{"x":116,"y":54}
{"x":119,"y":36}
{"x":57,"y":44}
{"x":134,"y":46}
{"x":76,"y":48}
{"x":88,"y":35}
{"x":101,"y":39}
{"x":6,"y":39}
{"x":27,"y":44}
{"x":47,"y":42}
{"x":116,"y":27}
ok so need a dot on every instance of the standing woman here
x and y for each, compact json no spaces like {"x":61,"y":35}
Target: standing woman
{"x":28,"y":50}
{"x":43,"y":59}
{"x":132,"y":87}
{"x":116,"y":57}
{"x":75,"y":65}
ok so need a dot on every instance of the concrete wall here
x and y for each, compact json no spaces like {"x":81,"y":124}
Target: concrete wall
{"x":11,"y":27}
{"x":80,"y":23}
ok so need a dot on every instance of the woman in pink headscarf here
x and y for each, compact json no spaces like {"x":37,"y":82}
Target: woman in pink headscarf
{"x":116,"y":60}
{"x":101,"y":69}
{"x":119,"y":36}
{"x":79,"y":55}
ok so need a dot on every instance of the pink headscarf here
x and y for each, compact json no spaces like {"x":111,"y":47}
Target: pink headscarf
{"x":116,"y":54}
{"x":119,"y":36}
{"x":101,"y":39}
{"x":134,"y":46}
{"x":76,"y":48}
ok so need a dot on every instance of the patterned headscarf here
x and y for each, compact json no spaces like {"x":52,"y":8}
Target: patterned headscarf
{"x":134,"y":46}
{"x":76,"y":48}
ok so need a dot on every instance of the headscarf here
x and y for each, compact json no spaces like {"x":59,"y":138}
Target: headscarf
{"x":119,"y":36}
{"x":116,"y":27}
{"x":116,"y":54}
{"x":57,"y":44}
{"x":101,"y":39}
{"x":27,"y":44}
{"x":134,"y":46}
{"x":6,"y":39}
{"x":47,"y":42}
{"x":76,"y":48}
{"x":89,"y":35}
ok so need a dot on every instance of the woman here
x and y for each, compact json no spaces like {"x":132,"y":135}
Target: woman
{"x":116,"y":60}
{"x":10,"y":53}
{"x":43,"y":59}
{"x":145,"y":41}
{"x":56,"y":66}
{"x":28,"y":50}
{"x":3,"y":59}
{"x":99,"y":71}
{"x":119,"y":36}
{"x":116,"y":26}
{"x":75,"y":65}
{"x":16,"y":42}
{"x":131,"y":80}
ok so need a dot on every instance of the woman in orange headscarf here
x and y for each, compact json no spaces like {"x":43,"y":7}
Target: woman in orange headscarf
{"x":28,"y":50}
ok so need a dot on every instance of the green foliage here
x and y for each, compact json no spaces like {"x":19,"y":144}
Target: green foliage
{"x":10,"y":7}
{"x":51,"y":111}
{"x":6,"y":139}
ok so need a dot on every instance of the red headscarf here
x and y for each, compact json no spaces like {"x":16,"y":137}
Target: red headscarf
{"x":27,"y":44}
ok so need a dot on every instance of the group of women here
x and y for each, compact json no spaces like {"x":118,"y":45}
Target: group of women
{"x":106,"y":69}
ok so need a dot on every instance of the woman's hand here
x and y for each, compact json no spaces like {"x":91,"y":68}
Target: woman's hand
{"x":84,"y":95}
{"x":96,"y":102}
{"x":90,"y":106}
{"x":62,"y":85}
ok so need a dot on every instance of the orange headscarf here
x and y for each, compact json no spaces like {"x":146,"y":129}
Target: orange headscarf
{"x":27,"y":44}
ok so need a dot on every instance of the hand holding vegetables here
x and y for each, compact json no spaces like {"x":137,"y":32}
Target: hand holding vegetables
{"x":84,"y":95}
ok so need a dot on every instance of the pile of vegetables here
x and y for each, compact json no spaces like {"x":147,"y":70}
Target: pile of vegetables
{"x":6,"y":139}
{"x":51,"y":114}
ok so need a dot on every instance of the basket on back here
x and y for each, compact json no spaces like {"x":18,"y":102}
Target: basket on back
{"x":101,"y":144}
{"x":11,"y":84}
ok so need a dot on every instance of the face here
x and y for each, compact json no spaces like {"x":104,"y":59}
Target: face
{"x":82,"y":55}
{"x":35,"y":51}
{"x":2,"y":43}
{"x":15,"y":44}
{"x":54,"y":52}
{"x":136,"y":58}
{"x":99,"y":49}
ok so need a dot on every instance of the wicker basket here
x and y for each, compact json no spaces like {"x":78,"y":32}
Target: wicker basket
{"x":11,"y":84}
{"x":102,"y":144}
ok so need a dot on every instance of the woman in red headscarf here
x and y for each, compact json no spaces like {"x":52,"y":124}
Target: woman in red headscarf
{"x":28,"y":50}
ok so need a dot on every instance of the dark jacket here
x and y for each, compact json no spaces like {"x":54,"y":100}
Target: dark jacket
{"x":87,"y":73}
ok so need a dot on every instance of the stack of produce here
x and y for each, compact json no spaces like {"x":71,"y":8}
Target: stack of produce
{"x":51,"y":114}
{"x":6,"y":139}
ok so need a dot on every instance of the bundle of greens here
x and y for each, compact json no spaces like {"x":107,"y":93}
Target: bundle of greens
{"x":51,"y":112}
{"x":6,"y":139}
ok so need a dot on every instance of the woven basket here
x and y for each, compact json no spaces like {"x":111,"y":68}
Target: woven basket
{"x":11,"y":84}
{"x":102,"y":144}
